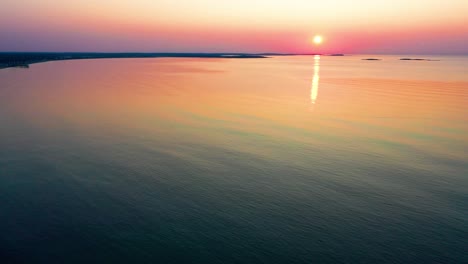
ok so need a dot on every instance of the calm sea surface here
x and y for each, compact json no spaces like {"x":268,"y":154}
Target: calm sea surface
{"x":281,"y":160}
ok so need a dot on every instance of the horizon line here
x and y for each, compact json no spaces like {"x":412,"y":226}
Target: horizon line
{"x":237,"y":53}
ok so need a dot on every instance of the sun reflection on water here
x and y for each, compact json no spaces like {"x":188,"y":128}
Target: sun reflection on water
{"x":315,"y":80}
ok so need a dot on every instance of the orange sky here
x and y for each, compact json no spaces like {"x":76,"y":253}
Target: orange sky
{"x":359,"y":26}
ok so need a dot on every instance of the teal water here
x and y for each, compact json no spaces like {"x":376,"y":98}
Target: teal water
{"x":281,"y":160}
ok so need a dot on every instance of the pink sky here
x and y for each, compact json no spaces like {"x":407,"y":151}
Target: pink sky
{"x":358,"y":26}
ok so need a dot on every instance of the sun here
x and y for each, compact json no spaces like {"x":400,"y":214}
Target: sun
{"x":317,"y":39}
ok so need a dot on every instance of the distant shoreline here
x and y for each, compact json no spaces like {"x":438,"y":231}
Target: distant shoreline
{"x":24,"y":59}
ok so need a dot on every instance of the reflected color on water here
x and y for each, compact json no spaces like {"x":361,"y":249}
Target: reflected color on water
{"x":222,"y":161}
{"x":315,"y":79}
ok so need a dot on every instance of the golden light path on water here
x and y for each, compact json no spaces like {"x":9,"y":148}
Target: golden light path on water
{"x":315,"y":80}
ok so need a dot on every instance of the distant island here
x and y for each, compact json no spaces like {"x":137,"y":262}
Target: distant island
{"x":411,"y":59}
{"x":24,"y":59}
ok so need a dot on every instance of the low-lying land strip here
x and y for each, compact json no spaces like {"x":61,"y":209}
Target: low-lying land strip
{"x":24,"y":59}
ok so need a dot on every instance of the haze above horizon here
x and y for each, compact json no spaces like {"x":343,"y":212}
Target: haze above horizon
{"x":366,"y":26}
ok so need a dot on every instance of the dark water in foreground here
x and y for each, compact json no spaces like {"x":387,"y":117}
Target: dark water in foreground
{"x":282,"y":160}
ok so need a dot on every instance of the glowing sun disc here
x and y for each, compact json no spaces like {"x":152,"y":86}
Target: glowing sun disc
{"x":318,"y":40}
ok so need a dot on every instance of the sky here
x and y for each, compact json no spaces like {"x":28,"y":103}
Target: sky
{"x":287,"y":26}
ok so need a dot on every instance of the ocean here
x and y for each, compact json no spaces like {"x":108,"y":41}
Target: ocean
{"x":294,"y":159}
